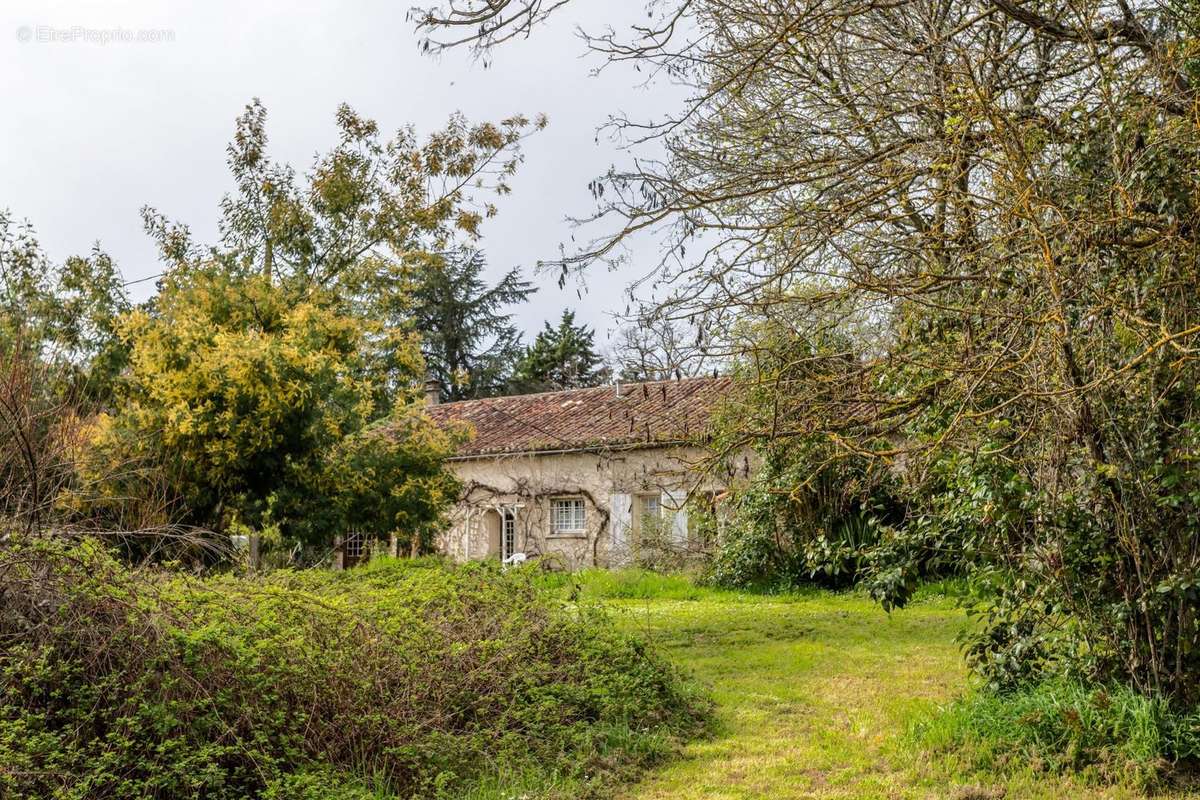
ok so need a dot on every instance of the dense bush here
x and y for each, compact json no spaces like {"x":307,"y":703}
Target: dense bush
{"x":810,"y":511}
{"x":397,"y":679}
{"x":807,"y":515}
{"x":1112,"y":732}
{"x":249,"y":408}
{"x":784,"y":538}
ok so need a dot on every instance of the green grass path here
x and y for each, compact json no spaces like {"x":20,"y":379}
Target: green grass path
{"x":814,"y":693}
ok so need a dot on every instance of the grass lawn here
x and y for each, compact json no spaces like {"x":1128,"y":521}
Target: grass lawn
{"x":814,"y":693}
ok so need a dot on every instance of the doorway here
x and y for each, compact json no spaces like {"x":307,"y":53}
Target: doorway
{"x":508,"y":534}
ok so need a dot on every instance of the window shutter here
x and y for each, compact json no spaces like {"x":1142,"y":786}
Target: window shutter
{"x":620,"y":520}
{"x":674,"y":503}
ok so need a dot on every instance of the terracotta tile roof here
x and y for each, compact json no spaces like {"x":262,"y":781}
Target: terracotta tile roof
{"x":643,"y":414}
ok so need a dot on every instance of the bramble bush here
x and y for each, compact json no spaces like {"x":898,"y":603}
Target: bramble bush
{"x":398,"y":679}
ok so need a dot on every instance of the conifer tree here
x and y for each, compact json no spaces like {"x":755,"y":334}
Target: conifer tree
{"x":469,"y":341}
{"x":561,"y":357}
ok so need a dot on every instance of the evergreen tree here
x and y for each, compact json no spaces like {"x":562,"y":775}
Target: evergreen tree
{"x":563,"y":357}
{"x":470,"y":343}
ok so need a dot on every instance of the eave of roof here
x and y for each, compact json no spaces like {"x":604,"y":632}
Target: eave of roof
{"x":614,"y":447}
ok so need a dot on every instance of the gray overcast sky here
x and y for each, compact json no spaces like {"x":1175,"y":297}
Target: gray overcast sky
{"x":91,"y":132}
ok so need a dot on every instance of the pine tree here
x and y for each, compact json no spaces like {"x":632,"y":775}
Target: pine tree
{"x":469,"y":342}
{"x":563,"y":357}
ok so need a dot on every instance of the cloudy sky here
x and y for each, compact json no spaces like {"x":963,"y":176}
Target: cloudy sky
{"x":92,"y":131}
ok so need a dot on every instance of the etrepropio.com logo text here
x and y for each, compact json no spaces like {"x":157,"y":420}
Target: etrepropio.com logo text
{"x":82,"y":34}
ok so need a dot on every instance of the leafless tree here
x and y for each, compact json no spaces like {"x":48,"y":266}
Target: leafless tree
{"x":875,"y":158}
{"x":650,"y":347}
{"x":37,"y":435}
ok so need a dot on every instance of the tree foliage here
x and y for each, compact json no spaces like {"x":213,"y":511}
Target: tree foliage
{"x":61,"y":315}
{"x":560,"y":357}
{"x":469,"y":341}
{"x":235,"y":400}
{"x":365,"y":203}
{"x":390,"y":478}
{"x":272,"y":381}
{"x":809,"y":513}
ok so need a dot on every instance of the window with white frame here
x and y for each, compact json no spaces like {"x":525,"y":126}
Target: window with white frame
{"x":508,"y":534}
{"x":567,"y":516}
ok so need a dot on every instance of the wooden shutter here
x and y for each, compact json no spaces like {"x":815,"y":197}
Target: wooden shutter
{"x":674,"y":504}
{"x":620,"y":521}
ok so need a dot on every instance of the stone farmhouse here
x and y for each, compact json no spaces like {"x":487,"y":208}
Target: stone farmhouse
{"x":583,"y":477}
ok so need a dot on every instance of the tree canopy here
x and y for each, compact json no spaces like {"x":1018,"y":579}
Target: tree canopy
{"x":234,"y":395}
{"x":560,"y":357}
{"x":273,"y":381}
{"x":468,"y":338}
{"x":61,"y":314}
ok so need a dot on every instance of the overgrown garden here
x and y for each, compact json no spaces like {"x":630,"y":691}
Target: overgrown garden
{"x":948,"y":251}
{"x":173,"y":473}
{"x":951,"y":250}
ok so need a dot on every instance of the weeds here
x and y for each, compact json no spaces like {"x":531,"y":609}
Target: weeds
{"x":396,"y":680}
{"x":1109,"y":734}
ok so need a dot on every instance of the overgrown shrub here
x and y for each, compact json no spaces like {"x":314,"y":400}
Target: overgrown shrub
{"x":399,"y":679}
{"x":802,"y":520}
{"x":1111,"y":732}
{"x":811,"y":510}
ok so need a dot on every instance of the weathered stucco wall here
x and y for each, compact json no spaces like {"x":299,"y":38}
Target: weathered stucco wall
{"x":610,"y":483}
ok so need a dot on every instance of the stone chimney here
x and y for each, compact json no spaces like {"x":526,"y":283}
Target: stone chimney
{"x":433,"y":391}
